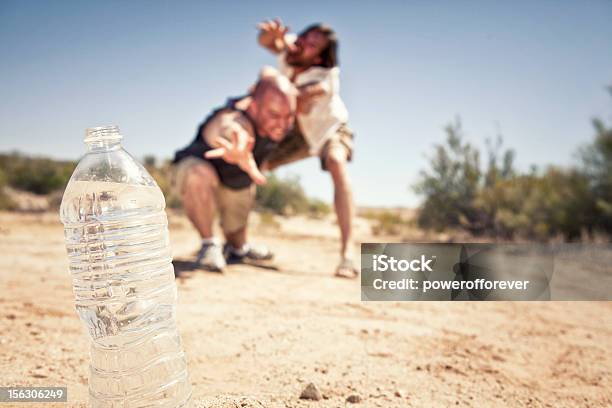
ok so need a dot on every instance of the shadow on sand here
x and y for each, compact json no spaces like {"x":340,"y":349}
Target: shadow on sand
{"x":182,"y":268}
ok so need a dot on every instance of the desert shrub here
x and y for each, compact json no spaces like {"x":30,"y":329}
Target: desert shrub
{"x":286,"y":196}
{"x":540,"y":205}
{"x":450,"y":184}
{"x":36,"y":175}
{"x":282,"y":196}
{"x":387,"y":222}
{"x":597,"y":166}
{"x":162,"y":175}
{"x":537,"y":206}
{"x":5,"y":201}
{"x":318,"y":208}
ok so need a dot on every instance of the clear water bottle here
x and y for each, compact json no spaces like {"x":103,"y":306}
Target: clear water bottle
{"x":116,"y":234}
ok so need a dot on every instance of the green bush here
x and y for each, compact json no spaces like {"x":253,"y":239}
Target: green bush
{"x":5,"y":201}
{"x":388,"y":222}
{"x":282,"y":196}
{"x":537,"y":206}
{"x":501,"y":203}
{"x":597,"y":167}
{"x":451,"y":184}
{"x":162,"y":176}
{"x":36,"y":175}
{"x":318,"y":208}
{"x":286,"y":196}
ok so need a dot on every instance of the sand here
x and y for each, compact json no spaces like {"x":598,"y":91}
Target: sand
{"x":255,"y":337}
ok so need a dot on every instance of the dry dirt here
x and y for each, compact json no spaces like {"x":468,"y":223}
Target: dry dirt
{"x":256,"y":337}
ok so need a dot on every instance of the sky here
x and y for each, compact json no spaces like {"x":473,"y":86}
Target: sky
{"x":536,"y":72}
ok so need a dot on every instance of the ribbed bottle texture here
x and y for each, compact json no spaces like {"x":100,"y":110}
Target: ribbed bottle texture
{"x":116,"y":234}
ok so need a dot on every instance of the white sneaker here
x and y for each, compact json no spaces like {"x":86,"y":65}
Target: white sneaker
{"x":210,"y":257}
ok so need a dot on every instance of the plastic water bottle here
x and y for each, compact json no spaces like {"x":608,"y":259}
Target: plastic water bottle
{"x":116,"y":234}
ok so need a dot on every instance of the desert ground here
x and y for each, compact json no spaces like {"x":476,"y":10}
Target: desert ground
{"x":256,"y":337}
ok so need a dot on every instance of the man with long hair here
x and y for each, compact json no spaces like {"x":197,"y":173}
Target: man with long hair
{"x":310,"y":61}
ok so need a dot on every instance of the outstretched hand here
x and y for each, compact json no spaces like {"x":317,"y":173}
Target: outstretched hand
{"x":238,"y":152}
{"x":272,"y":35}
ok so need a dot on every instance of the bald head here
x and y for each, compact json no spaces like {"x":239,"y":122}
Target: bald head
{"x":273,"y":104}
{"x":272,"y":80}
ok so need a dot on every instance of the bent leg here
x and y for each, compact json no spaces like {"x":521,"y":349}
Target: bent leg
{"x":198,"y":195}
{"x":237,"y":238}
{"x":335,"y":163}
{"x":234,"y":208}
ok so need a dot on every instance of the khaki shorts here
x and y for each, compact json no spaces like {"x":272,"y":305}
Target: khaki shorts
{"x":232,"y":205}
{"x":294,"y":147}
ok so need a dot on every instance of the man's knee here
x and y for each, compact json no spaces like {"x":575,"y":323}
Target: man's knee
{"x":200,"y":178}
{"x":335,"y":161}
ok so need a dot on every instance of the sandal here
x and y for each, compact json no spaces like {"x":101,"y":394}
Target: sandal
{"x":346,"y":269}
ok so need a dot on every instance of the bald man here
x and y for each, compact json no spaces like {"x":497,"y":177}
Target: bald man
{"x":217,"y":171}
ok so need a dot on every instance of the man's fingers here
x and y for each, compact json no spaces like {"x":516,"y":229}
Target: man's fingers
{"x":240,"y":140}
{"x":256,"y":175}
{"x":250,"y":167}
{"x":250,"y":144}
{"x":215,"y":153}
{"x":242,"y":144}
{"x":224,"y":143}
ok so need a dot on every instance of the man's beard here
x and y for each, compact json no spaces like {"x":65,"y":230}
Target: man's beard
{"x":297,"y":62}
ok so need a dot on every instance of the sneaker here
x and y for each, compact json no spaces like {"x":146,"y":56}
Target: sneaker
{"x":210,"y":257}
{"x":251,"y":252}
